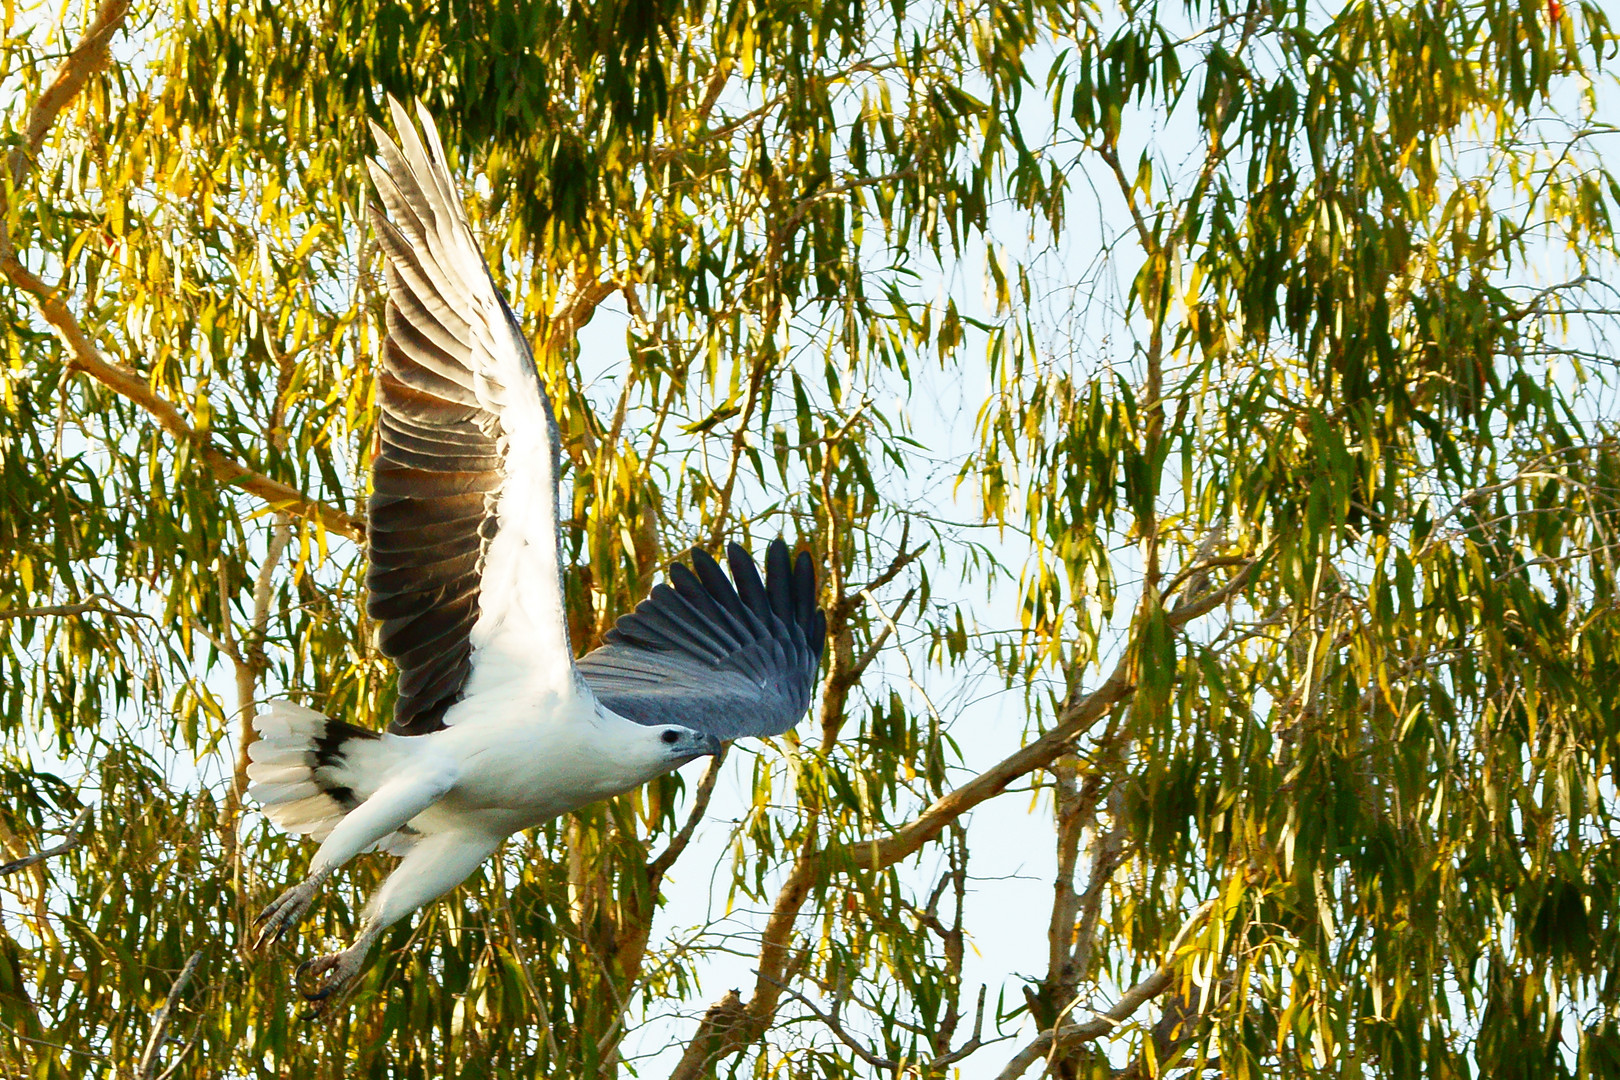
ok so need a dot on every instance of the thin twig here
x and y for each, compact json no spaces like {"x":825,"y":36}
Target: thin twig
{"x":972,"y":1044}
{"x":833,"y":1025}
{"x":700,"y":805}
{"x":179,"y":1059}
{"x":69,"y":842}
{"x":15,"y":1034}
{"x":837,"y":1028}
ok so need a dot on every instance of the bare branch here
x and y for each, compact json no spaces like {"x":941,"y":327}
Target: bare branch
{"x":837,"y":1028}
{"x":160,"y":1023}
{"x":972,"y":1044}
{"x":99,"y":604}
{"x":63,"y":1047}
{"x":700,"y":805}
{"x":131,"y":385}
{"x":1191,"y":607}
{"x":833,"y":1025}
{"x":1179,"y":1023}
{"x":1106,"y":150}
{"x":729,"y":1025}
{"x":711,"y":92}
{"x":727,"y":1028}
{"x":739,"y":443}
{"x":75,"y":836}
{"x":845,"y":605}
{"x":179,"y":1059}
{"x":88,"y":55}
{"x":1073,"y":815}
{"x":879,"y":853}
{"x":1103,"y":1023}
{"x":1107,"y":852}
{"x":835,"y":191}
{"x":250,"y":663}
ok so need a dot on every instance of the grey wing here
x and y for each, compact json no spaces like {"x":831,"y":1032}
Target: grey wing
{"x":728,"y":657}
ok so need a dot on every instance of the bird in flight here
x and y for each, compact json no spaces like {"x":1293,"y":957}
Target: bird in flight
{"x":497,"y":727}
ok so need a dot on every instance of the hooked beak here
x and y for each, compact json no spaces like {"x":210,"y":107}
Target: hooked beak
{"x":696,"y":744}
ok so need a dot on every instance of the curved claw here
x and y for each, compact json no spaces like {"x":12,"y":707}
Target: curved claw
{"x":325,"y":979}
{"x":307,"y":977}
{"x":284,"y":913}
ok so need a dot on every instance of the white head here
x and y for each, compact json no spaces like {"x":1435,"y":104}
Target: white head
{"x":655,"y":750}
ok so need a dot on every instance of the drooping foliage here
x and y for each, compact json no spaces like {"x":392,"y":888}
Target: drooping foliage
{"x":1201,"y":416}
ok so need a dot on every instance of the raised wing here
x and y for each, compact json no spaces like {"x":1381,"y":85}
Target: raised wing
{"x":465,"y":580}
{"x":729,"y":660}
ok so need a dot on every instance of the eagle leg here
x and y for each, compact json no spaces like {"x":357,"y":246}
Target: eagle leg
{"x":435,"y":865}
{"x":394,"y":803}
{"x":286,"y":910}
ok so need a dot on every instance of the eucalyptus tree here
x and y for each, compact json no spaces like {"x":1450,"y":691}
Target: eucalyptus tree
{"x":1284,"y":514}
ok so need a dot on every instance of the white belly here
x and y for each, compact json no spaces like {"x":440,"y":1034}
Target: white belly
{"x":521,"y":763}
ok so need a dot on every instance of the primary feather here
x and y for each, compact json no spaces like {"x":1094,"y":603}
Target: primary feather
{"x":730,"y":660}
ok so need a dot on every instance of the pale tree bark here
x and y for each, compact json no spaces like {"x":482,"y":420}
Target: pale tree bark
{"x":249,"y":663}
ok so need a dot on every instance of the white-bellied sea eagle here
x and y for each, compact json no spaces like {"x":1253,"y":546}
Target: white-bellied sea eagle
{"x":497,"y":727}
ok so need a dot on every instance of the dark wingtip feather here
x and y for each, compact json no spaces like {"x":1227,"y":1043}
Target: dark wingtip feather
{"x":745,"y":575}
{"x":703,"y":562}
{"x":804,"y":589}
{"x":779,"y":579}
{"x":685,"y":581}
{"x":763,"y":627}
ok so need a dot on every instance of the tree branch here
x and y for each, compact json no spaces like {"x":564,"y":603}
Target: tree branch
{"x":700,"y":805}
{"x":160,"y":1024}
{"x":1073,"y":815}
{"x":729,"y":1025}
{"x":879,"y":853}
{"x":135,"y":388}
{"x":1103,"y":1023}
{"x":88,"y":55}
{"x":94,"y":604}
{"x":250,"y":663}
{"x":726,"y":1029}
{"x":896,"y":1066}
{"x":833,"y":1025}
{"x":74,"y":837}
{"x":573,"y":313}
{"x":1107,"y":852}
{"x":739,"y":443}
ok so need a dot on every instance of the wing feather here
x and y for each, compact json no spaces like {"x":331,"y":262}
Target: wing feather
{"x":719,"y":623}
{"x":728,"y":656}
{"x":466,"y":445}
{"x":455,"y":617}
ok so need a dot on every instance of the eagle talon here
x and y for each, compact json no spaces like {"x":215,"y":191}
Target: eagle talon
{"x":284,"y":912}
{"x":326,"y":978}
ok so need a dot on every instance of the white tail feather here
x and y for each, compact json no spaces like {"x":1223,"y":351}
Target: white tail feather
{"x":308,"y":771}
